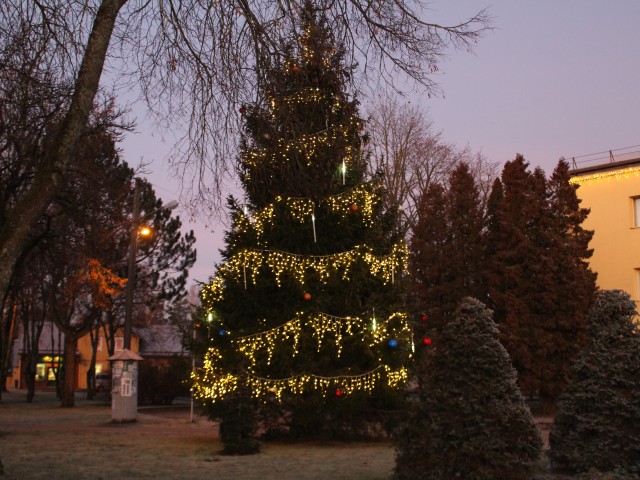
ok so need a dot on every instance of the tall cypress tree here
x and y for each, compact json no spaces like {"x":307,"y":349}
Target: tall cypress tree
{"x":307,"y":300}
{"x":574,"y":283}
{"x":537,"y":278}
{"x":427,"y":241}
{"x":466,"y":225}
{"x":517,"y":270}
{"x":446,"y":247}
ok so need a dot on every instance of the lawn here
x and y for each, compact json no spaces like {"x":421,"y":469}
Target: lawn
{"x":43,"y":441}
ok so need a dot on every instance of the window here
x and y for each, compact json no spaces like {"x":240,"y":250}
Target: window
{"x":41,"y":372}
{"x":119,"y":344}
{"x":636,"y":212}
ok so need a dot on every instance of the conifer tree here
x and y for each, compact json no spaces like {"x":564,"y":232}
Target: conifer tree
{"x":537,"y":278}
{"x":574,"y":283}
{"x":598,"y":420}
{"x":446,"y":247}
{"x":511,"y":258}
{"x":471,"y":420}
{"x":306,"y":302}
{"x":427,"y":241}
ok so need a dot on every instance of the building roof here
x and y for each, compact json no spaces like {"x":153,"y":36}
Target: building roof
{"x":160,"y":340}
{"x":126,"y":354}
{"x":607,"y":166}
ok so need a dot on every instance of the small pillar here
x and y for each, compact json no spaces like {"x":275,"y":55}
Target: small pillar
{"x":124,"y":390}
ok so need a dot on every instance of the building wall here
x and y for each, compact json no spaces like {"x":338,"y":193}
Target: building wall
{"x":51,"y":355}
{"x":609,"y":192}
{"x":102,"y":355}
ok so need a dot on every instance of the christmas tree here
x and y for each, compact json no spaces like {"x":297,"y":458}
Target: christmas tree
{"x":305,"y":308}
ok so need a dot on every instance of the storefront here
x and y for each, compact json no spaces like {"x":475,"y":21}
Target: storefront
{"x":47,"y":369}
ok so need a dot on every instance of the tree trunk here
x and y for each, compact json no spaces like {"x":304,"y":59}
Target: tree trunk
{"x":91,"y":382}
{"x":30,"y":377}
{"x":91,"y":373}
{"x":69,"y":386}
{"x":14,"y":235}
{"x":7,"y":328}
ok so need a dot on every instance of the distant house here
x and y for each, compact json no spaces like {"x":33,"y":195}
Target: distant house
{"x":610,"y":187}
{"x":156,"y":343}
{"x":50,"y":351}
{"x":159,"y":343}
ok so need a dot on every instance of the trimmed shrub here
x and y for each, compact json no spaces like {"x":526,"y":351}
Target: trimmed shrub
{"x":598,"y":421}
{"x":471,"y":421}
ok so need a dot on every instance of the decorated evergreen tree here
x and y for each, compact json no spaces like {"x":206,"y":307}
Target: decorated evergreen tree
{"x":307,"y":300}
{"x":598,"y":420}
{"x":471,"y":421}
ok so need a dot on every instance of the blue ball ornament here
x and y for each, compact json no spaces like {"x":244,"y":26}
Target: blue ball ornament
{"x":222,"y":332}
{"x":393,"y":343}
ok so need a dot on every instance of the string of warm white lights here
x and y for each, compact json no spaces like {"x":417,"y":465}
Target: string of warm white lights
{"x":362,"y":198}
{"x":304,"y":95}
{"x":209,"y":384}
{"x":322,"y":325}
{"x":306,"y":145}
{"x":606,"y":176}
{"x":251,"y":261}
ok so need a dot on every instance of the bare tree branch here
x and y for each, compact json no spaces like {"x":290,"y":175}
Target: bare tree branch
{"x":193,"y":63}
{"x":411,"y":156}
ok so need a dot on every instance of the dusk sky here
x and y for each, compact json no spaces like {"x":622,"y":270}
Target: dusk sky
{"x":554,"y":78}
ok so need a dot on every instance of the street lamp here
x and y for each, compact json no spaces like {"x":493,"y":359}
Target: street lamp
{"x":124,"y":372}
{"x":133,"y":250}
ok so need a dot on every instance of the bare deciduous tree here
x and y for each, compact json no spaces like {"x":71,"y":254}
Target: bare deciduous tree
{"x":411,"y":155}
{"x":190,"y":59}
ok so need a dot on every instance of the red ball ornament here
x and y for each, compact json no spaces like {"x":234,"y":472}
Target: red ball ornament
{"x":307,"y":296}
{"x":426,"y":341}
{"x":354,"y":207}
{"x":339,"y":393}
{"x":296,"y":69}
{"x":423,"y":317}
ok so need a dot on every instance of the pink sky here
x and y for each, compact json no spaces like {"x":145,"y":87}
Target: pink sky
{"x":554,"y":78}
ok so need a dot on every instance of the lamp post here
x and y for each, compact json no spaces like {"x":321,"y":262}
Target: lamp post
{"x":124,"y":371}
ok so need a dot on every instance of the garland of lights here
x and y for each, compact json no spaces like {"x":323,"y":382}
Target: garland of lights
{"x":613,"y":174}
{"x":307,"y":95}
{"x":306,"y":145}
{"x":210,"y":384}
{"x":322,"y":325}
{"x":252,"y":260}
{"x":301,"y":209}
